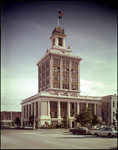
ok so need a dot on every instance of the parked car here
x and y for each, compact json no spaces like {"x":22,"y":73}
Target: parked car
{"x":110,"y":132}
{"x":79,"y":130}
{"x":17,"y":127}
{"x":28,"y":127}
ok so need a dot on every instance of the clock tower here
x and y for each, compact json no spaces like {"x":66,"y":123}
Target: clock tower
{"x":58,"y":40}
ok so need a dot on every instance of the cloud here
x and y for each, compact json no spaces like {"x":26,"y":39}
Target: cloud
{"x":14,"y":90}
{"x":96,"y":88}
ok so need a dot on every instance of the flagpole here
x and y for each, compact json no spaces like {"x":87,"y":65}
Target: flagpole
{"x":58,"y":18}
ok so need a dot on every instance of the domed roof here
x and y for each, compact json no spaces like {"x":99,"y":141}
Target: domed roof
{"x":58,"y":30}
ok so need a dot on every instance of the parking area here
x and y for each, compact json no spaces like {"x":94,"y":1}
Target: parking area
{"x":53,"y":139}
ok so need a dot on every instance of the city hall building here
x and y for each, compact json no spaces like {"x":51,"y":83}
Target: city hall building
{"x":58,"y":87}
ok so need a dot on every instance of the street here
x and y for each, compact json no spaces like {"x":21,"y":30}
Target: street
{"x":53,"y":139}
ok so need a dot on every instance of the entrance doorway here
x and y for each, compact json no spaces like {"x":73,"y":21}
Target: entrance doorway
{"x":73,"y":124}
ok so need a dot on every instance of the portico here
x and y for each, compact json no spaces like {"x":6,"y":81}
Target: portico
{"x":56,"y":108}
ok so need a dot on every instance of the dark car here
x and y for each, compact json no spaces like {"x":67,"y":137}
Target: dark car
{"x":79,"y":130}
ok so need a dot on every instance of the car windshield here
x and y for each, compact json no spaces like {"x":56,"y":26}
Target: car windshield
{"x":84,"y":128}
{"x":102,"y":129}
{"x":113,"y":129}
{"x":77,"y":128}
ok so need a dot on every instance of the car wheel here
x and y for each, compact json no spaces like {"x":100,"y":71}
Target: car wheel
{"x":73,"y":133}
{"x":110,"y":135}
{"x":96,"y":134}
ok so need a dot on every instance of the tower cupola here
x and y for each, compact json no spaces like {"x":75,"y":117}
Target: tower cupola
{"x":58,"y":37}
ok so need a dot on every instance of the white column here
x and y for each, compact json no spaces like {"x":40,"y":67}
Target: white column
{"x":63,"y":42}
{"x":79,"y":76}
{"x":77,"y":108}
{"x":28,"y":111}
{"x":86,"y":105}
{"x":49,"y":108}
{"x":95,"y":109}
{"x":51,"y":72}
{"x":38,"y":108}
{"x":68,"y":109}
{"x":24,"y":111}
{"x":11,"y":116}
{"x":31,"y":109}
{"x":61,"y":73}
{"x":70,"y":75}
{"x":35,"y":109}
{"x":56,"y":41}
{"x":111,"y":110}
{"x":59,"y":109}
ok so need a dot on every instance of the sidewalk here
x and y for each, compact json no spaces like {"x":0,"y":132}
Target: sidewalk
{"x":54,"y":130}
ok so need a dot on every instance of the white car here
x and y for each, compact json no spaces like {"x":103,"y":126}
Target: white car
{"x":110,"y":132}
{"x":28,"y":127}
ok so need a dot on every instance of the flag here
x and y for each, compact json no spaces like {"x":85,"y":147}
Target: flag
{"x":60,"y":13}
{"x":60,"y":17}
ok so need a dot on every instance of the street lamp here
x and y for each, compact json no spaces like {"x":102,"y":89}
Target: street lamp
{"x":74,"y":109}
{"x":74,"y":102}
{"x":34,"y":121}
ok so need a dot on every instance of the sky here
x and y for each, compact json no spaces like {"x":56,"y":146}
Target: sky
{"x":26,"y":28}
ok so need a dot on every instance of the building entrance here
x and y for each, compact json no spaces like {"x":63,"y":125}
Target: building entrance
{"x":73,"y":124}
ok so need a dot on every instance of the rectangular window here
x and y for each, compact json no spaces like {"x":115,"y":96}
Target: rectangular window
{"x":43,"y":87}
{"x":74,"y":87}
{"x":65,"y":86}
{"x":65,"y":63}
{"x":113,"y":114}
{"x":54,"y":41}
{"x":63,"y":105}
{"x":56,"y":85}
{"x":40,"y":69}
{"x":43,"y":66}
{"x":56,"y":69}
{"x":53,"y":114}
{"x":107,"y":104}
{"x":43,"y":81}
{"x":47,"y":78}
{"x":47,"y":86}
{"x":82,"y":107}
{"x":113,"y":103}
{"x":40,"y":83}
{"x":43,"y":73}
{"x":74,"y":64}
{"x":74,"y":80}
{"x":53,"y":104}
{"x":47,"y":71}
{"x":56,"y":77}
{"x":56,"y":61}
{"x":60,"y":41}
{"x":65,"y":78}
{"x":40,"y":76}
{"x":74,"y":72}
{"x":107,"y":114}
{"x":65,"y":70}
{"x":47,"y":62}
{"x":63,"y":114}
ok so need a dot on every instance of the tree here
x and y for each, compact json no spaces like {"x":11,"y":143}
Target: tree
{"x":95,"y":120}
{"x":84,"y":117}
{"x":17,"y":121}
{"x":47,"y":124}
